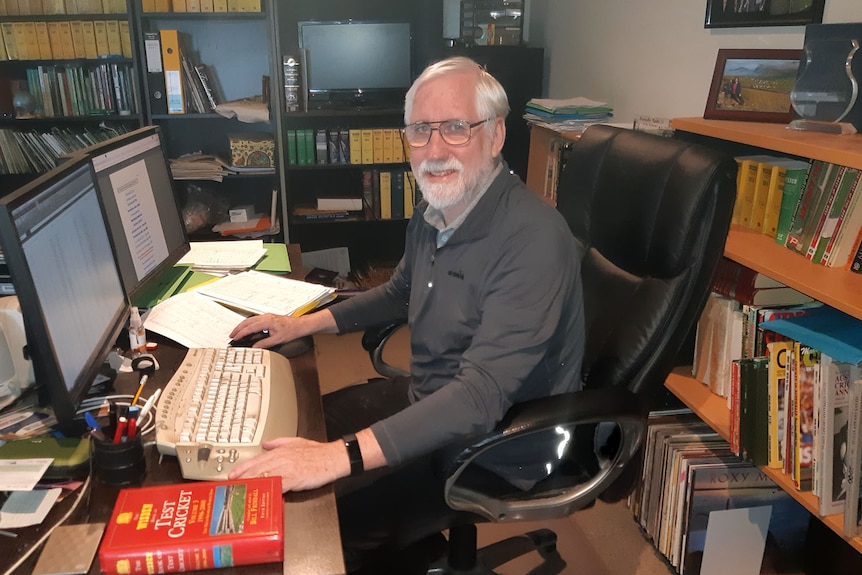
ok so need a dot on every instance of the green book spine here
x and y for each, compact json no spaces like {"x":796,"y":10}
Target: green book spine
{"x":794,"y":183}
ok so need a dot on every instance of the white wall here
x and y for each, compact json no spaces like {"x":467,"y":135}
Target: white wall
{"x":647,"y":57}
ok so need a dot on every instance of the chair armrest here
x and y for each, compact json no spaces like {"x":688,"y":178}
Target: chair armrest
{"x":374,"y":340}
{"x":557,"y":497}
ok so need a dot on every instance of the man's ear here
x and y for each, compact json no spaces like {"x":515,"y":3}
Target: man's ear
{"x":499,"y":136}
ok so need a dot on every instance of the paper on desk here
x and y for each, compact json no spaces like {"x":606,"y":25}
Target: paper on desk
{"x":259,"y":292}
{"x":22,"y":474}
{"x":26,"y":508}
{"x":238,"y":255}
{"x":193,"y":320}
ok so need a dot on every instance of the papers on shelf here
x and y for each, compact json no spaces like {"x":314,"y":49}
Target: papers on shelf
{"x":223,"y":256}
{"x":258,"y":292}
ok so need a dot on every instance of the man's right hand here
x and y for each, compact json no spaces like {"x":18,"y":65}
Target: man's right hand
{"x":284,"y":328}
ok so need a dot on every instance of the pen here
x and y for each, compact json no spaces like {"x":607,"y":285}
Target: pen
{"x":122,"y":422}
{"x":131,"y":428}
{"x":151,"y":401}
{"x":141,"y":385}
{"x":95,"y":428}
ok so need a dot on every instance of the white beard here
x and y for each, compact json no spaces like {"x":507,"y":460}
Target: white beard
{"x":443,"y":195}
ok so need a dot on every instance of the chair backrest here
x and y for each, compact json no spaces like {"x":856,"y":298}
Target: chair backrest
{"x":653,"y":213}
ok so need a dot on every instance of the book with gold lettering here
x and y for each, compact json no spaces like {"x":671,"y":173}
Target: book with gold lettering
{"x":194,"y":526}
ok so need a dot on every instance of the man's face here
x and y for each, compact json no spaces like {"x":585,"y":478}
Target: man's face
{"x":449,"y":174}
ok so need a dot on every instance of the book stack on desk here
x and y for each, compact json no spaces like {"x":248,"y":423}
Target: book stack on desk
{"x":194,"y":526}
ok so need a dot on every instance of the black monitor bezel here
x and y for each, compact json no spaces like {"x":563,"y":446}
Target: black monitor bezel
{"x":40,"y":347}
{"x":358,"y":96}
{"x":134,"y":291}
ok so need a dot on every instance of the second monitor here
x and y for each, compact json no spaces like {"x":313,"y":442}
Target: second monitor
{"x":146,"y":223}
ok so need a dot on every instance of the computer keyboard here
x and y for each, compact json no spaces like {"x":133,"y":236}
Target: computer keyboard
{"x":220,"y":405}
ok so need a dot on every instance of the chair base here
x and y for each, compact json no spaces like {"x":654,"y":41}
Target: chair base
{"x":464,"y":559}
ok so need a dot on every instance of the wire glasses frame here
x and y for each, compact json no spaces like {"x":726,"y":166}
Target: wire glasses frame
{"x":453,"y":132}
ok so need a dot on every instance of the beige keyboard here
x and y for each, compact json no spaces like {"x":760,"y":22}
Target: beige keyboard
{"x":220,"y":405}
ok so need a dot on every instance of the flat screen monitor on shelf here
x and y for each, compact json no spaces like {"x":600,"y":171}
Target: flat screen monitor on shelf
{"x":352,"y":64}
{"x":58,"y":248}
{"x":146,"y":223}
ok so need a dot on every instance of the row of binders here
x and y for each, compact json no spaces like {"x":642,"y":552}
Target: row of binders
{"x":65,"y":40}
{"x":36,"y":151}
{"x":812,"y":207}
{"x":200,"y":5}
{"x":346,"y":146}
{"x":45,"y":7}
{"x":178,"y":84}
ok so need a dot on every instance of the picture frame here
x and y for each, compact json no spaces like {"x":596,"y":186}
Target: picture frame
{"x":753,"y":85}
{"x":743,"y":13}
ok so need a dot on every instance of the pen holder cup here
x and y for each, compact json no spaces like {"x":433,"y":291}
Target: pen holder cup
{"x":119,"y":463}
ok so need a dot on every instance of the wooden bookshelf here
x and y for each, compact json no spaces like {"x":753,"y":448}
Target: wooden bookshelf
{"x":838,"y":288}
{"x":713,"y":410}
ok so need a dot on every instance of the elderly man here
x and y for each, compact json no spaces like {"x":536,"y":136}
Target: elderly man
{"x":490,"y":286}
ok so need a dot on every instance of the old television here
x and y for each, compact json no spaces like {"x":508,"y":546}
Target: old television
{"x":58,"y":248}
{"x":146,"y":223}
{"x":356,"y":64}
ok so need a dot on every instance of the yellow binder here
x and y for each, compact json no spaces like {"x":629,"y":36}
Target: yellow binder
{"x":89,"y":32}
{"x":173,"y":72}
{"x":45,"y":52}
{"x":100,"y":27}
{"x":115,"y":43}
{"x":125,"y":39}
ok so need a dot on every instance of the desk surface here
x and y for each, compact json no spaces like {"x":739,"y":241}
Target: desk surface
{"x":311,"y":537}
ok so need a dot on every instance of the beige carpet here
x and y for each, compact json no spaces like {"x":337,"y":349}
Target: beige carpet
{"x":603,"y":540}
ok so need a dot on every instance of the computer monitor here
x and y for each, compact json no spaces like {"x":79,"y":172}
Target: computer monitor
{"x":146,"y":224}
{"x":58,"y":248}
{"x":354,"y":63}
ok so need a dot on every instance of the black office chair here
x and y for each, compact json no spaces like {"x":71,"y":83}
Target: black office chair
{"x":653,"y":214}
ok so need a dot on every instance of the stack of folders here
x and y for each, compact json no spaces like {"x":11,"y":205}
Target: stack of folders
{"x":223,"y":257}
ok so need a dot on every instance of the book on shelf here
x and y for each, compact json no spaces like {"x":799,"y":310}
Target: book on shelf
{"x":848,"y":237}
{"x":788,"y":176}
{"x":818,"y":189}
{"x":747,"y":286}
{"x":832,"y":213}
{"x":832,"y":433}
{"x":779,"y":353}
{"x":853,"y":462}
{"x":746,"y":185}
{"x":194,"y":526}
{"x":340,"y":204}
{"x":807,"y":369}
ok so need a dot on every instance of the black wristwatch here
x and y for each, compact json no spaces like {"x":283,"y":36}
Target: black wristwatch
{"x":354,"y":453}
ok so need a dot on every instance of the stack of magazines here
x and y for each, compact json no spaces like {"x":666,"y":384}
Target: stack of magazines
{"x":568,"y":115}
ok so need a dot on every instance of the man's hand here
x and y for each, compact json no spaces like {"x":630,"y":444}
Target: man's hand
{"x":284,"y":328}
{"x":301,"y":463}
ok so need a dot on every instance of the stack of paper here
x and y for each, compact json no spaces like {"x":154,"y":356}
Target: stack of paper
{"x":259,"y":292}
{"x":222,"y":256}
{"x":198,"y":166}
{"x":198,"y":318}
{"x":572,"y":114}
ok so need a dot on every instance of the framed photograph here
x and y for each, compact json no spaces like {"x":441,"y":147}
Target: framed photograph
{"x":740,"y":13}
{"x":753,"y":85}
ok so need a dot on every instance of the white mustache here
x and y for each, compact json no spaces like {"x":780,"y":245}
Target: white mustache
{"x":432,"y":166}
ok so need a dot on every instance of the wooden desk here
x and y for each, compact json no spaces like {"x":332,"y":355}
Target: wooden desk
{"x":312,"y":542}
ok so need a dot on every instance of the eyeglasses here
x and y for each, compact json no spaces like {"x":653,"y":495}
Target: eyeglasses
{"x":453,"y":132}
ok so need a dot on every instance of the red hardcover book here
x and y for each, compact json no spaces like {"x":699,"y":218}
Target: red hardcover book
{"x":193,"y":526}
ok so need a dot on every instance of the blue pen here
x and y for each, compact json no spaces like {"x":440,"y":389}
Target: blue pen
{"x":95,"y":428}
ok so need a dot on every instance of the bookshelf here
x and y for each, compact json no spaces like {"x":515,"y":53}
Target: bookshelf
{"x":236,"y":70}
{"x":79,"y":71}
{"x":838,"y":288}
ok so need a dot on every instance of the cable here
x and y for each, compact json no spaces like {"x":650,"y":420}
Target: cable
{"x":85,"y":488}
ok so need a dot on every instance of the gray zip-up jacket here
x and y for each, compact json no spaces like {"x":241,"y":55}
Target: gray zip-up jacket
{"x":495,"y":315}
